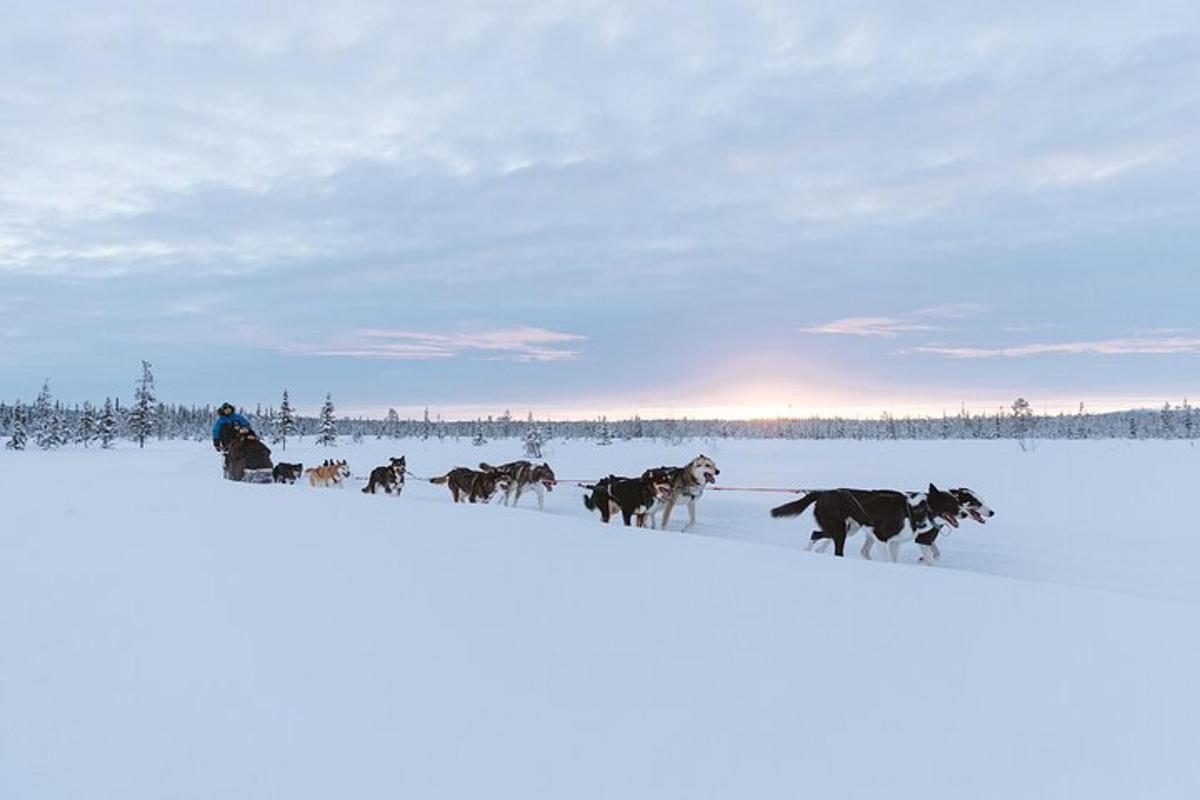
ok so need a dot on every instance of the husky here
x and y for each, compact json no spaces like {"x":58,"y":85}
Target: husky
{"x":331,"y":473}
{"x":390,"y":478}
{"x":287,"y":473}
{"x":517,"y":477}
{"x":889,"y":517}
{"x":630,"y":497}
{"x":687,"y":485}
{"x":973,"y":508}
{"x":468,"y":485}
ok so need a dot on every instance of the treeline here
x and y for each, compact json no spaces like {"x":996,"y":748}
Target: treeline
{"x":47,"y":423}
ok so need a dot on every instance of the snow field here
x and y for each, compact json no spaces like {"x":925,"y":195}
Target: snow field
{"x":169,"y":634}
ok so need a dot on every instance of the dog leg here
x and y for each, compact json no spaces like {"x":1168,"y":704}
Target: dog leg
{"x":691,"y":506}
{"x":541,"y":496}
{"x":893,"y":550}
{"x":867,"y":546}
{"x":668,"y":507}
{"x":933,"y":548}
{"x":927,"y":556}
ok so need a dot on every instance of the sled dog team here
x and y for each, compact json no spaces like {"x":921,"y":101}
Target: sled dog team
{"x":888,"y":518}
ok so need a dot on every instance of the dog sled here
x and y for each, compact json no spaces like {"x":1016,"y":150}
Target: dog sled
{"x":247,"y":459}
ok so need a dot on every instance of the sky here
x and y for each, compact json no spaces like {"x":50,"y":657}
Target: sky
{"x":574,"y":208}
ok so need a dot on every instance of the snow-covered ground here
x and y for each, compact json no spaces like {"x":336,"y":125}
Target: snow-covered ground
{"x":166,"y":634}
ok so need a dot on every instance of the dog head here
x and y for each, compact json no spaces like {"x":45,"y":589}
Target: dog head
{"x":657,"y":486}
{"x":972,"y":505}
{"x":944,"y":506}
{"x":343,"y":469}
{"x":703,"y":469}
{"x":543,"y":473}
{"x":399,"y":466}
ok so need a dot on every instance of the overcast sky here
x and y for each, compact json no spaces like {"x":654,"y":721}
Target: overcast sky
{"x":575,"y":207}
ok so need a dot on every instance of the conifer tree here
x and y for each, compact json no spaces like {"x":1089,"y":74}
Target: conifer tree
{"x":287,"y":420}
{"x":42,"y":419}
{"x":141,"y":422}
{"x":108,"y":425}
{"x":86,"y":432}
{"x":18,"y":439}
{"x":327,"y":437}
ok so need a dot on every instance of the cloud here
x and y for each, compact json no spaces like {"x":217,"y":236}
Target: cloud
{"x":525,"y":344}
{"x":891,"y":327}
{"x":1108,"y":347}
{"x":885,"y":327}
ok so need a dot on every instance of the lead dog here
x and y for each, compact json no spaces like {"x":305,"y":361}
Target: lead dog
{"x":630,"y":497}
{"x":972,"y":505}
{"x":687,"y":485}
{"x":331,"y":473}
{"x":390,"y":478}
{"x":889,"y":517}
{"x":517,"y":477}
{"x":468,"y":485}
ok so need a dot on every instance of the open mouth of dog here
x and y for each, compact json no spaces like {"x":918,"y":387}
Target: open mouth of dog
{"x":975,"y":515}
{"x":951,"y":519}
{"x":710,"y":478}
{"x":549,"y":485}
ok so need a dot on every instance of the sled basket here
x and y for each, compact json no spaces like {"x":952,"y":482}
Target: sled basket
{"x":256,"y":476}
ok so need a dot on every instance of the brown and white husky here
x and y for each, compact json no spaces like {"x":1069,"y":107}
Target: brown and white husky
{"x":331,"y":473}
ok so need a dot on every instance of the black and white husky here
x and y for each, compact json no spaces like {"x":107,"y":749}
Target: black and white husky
{"x":973,"y":507}
{"x":888,"y":517}
{"x":390,"y":478}
{"x":518,"y":477}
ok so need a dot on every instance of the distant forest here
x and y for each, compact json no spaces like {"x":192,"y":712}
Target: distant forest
{"x":47,"y":423}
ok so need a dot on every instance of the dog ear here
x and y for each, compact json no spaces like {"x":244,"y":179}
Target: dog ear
{"x":933,"y":489}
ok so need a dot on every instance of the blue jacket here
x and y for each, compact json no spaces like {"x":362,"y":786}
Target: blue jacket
{"x":223,"y":421}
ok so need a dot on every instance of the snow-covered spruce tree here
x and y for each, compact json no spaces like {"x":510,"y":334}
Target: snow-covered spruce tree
{"x":534,"y":439}
{"x":425,"y":425}
{"x":479,"y":440}
{"x":287,"y":420}
{"x":107,"y":430}
{"x":19,"y":437}
{"x":42,"y":418}
{"x":1168,"y":421}
{"x":86,"y":432}
{"x":603,"y":432}
{"x":327,"y":435}
{"x":59,"y":433}
{"x":391,"y":426}
{"x":160,"y":421}
{"x":1022,"y":421}
{"x":141,"y":422}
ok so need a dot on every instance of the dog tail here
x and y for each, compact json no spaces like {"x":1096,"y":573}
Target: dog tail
{"x":796,"y":507}
{"x":442,"y":480}
{"x":485,"y":467}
